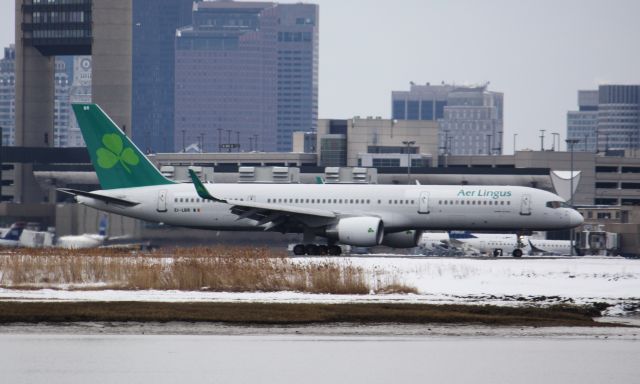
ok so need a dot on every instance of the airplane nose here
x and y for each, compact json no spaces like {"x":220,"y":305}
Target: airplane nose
{"x":575,"y":218}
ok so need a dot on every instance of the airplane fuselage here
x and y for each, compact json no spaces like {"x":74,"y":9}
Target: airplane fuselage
{"x":400,"y":207}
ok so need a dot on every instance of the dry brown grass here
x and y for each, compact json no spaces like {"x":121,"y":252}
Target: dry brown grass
{"x":211,"y":269}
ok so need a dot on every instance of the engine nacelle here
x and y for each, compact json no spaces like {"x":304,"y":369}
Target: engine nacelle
{"x":358,"y":231}
{"x":404,"y":239}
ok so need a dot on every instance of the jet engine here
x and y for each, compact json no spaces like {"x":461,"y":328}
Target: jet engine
{"x":404,"y":239}
{"x":357,"y":231}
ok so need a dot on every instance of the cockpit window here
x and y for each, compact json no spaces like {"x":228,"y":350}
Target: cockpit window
{"x":557,"y":204}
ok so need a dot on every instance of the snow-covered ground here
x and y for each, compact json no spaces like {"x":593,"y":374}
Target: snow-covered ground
{"x":501,"y":281}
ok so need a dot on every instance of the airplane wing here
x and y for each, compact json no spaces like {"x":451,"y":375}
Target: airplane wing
{"x":106,"y":199}
{"x":264,"y":213}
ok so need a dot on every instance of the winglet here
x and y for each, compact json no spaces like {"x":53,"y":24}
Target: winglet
{"x":319,"y":180}
{"x":200,"y":188}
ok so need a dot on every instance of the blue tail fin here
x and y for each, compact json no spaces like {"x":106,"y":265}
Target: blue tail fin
{"x":14,"y":232}
{"x":102,"y":227}
{"x":461,"y":235}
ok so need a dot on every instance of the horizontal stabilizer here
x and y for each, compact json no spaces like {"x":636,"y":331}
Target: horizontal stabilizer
{"x":96,"y":196}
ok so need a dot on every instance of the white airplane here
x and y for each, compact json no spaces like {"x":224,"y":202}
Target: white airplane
{"x":11,"y":237}
{"x":552,"y":247}
{"x":87,"y":240}
{"x":356,"y":215}
{"x":496,"y":244}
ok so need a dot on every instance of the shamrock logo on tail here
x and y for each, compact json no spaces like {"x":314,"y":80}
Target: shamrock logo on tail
{"x":113,"y":153}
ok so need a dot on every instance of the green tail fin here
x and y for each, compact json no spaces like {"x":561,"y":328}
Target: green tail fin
{"x":117,"y":161}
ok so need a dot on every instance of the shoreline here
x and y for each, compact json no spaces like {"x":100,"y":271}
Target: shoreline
{"x":259,"y":314}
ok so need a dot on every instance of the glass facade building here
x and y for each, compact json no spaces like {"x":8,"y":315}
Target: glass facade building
{"x":246,"y":76}
{"x":8,"y":95}
{"x":618,"y":117}
{"x":583,"y":123}
{"x":607,"y":118}
{"x":154,"y":24}
{"x":470,"y":118}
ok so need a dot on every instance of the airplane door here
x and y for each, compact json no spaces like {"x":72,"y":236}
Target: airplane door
{"x":525,"y":205}
{"x":162,"y":200}
{"x":424,"y":202}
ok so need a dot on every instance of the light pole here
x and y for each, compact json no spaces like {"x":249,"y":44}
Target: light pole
{"x":542,"y":139}
{"x":489,"y":145}
{"x":514,"y":142}
{"x":408,"y":144}
{"x":571,"y":143}
{"x":184,"y":149}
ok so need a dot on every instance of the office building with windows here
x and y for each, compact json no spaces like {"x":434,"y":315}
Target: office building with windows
{"x":607,"y":119}
{"x":8,"y":95}
{"x":583,"y":123}
{"x":377,"y":142}
{"x":470,"y":117}
{"x":153,"y":59}
{"x":618,"y":117}
{"x":246,"y":76}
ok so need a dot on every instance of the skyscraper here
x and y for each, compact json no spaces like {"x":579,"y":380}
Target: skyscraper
{"x":8,"y":95}
{"x":470,"y":117}
{"x":153,"y":59}
{"x":608,"y":118}
{"x":63,"y":82}
{"x":618,"y":117}
{"x":583,"y":123}
{"x":246,"y":74}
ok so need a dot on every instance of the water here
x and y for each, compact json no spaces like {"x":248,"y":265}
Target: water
{"x":342,"y":354}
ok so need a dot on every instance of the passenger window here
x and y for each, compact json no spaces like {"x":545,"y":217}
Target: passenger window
{"x":445,"y":202}
{"x":368,"y":201}
{"x":440,"y":202}
{"x":379,"y":201}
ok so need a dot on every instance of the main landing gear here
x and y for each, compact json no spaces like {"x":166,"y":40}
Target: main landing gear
{"x":316,"y":250}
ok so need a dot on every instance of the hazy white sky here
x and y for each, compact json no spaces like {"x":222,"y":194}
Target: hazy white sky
{"x":538,"y":52}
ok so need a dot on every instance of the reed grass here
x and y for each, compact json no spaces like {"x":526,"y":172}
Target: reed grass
{"x":238,"y":269}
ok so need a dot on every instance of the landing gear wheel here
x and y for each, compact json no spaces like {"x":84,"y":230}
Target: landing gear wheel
{"x":299,"y":250}
{"x":311,"y":249}
{"x":322,"y":250}
{"x":517,"y":253}
{"x":335,"y":250}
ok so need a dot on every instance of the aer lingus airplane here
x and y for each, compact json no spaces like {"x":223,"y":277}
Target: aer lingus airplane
{"x":357,"y":215}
